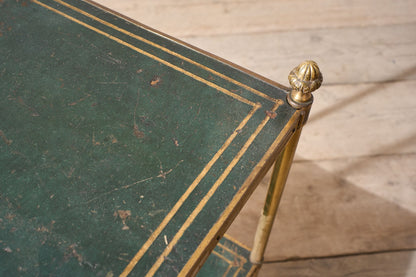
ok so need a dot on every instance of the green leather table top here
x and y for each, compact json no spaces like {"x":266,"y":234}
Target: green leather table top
{"x":122,"y":151}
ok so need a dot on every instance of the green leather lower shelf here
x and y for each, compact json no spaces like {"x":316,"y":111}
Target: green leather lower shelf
{"x":229,"y":258}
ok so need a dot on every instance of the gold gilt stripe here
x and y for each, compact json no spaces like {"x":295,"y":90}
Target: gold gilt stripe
{"x":221,"y":257}
{"x":208,"y":196}
{"x":232,"y":252}
{"x":237,"y":198}
{"x":168,"y":51}
{"x":242,"y":260}
{"x":178,"y":204}
{"x":230,"y":263}
{"x":223,"y":90}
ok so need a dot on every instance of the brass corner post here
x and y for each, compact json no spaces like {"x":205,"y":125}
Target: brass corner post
{"x":304,"y":79}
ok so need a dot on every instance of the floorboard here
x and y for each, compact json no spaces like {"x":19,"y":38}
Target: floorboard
{"x":224,"y":17}
{"x":358,"y":54}
{"x":360,"y":120}
{"x":394,"y":264}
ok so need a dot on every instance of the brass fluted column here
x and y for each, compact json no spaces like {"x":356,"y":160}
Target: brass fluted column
{"x":304,"y":79}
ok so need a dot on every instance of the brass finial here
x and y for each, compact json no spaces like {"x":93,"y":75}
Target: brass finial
{"x":304,"y":79}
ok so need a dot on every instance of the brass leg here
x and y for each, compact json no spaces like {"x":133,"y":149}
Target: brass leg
{"x":274,"y":194}
{"x":304,"y":79}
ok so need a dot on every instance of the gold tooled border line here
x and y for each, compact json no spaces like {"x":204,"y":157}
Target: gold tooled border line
{"x":241,"y":196}
{"x":231,"y":264}
{"x":177,"y":68}
{"x":241,"y":264}
{"x":166,"y":36}
{"x":207,"y":197}
{"x":257,"y":92}
{"x":179,"y":203}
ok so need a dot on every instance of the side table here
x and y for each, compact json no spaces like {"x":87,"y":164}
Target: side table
{"x":126,"y":152}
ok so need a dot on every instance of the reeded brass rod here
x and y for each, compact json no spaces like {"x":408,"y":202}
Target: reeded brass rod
{"x":274,"y":194}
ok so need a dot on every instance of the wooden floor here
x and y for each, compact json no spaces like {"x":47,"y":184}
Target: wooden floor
{"x":350,"y":205}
